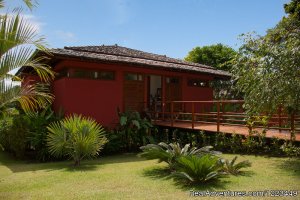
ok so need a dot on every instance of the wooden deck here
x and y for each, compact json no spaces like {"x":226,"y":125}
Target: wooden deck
{"x":231,"y":129}
{"x":226,"y":117}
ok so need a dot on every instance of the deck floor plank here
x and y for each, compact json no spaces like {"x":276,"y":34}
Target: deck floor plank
{"x":231,"y":129}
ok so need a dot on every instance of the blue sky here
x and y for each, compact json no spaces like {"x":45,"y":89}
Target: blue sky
{"x":168,"y":27}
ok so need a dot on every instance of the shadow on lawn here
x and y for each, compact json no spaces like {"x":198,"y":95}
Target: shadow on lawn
{"x":164,"y":173}
{"x":292,"y":165}
{"x":86,"y":165}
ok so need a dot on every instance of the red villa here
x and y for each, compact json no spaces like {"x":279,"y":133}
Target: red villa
{"x":96,"y":80}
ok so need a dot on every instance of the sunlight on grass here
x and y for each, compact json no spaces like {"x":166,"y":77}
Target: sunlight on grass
{"x":130,"y":177}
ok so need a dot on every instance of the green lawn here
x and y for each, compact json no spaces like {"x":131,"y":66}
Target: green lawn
{"x":129,"y":177}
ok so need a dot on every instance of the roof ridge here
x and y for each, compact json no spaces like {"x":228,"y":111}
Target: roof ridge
{"x":183,"y":62}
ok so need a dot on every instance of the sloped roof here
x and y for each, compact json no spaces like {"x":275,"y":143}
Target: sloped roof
{"x":119,"y":54}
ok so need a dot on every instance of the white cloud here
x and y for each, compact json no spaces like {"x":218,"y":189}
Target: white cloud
{"x":66,"y":36}
{"x":30,"y":19}
{"x":34,"y":22}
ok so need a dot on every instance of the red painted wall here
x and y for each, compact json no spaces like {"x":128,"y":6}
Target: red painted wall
{"x":100,"y":98}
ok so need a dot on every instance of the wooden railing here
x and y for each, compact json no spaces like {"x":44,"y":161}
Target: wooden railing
{"x":228,"y":112}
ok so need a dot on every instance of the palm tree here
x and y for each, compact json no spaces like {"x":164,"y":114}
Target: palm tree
{"x":18,"y":40}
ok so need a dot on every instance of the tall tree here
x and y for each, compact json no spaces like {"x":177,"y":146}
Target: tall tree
{"x":218,"y":56}
{"x":18,"y":40}
{"x":267,"y":69}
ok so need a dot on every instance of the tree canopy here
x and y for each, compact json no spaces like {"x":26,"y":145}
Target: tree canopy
{"x":267,"y":69}
{"x":218,"y":56}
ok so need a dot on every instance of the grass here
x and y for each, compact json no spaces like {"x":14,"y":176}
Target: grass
{"x":130,"y":177}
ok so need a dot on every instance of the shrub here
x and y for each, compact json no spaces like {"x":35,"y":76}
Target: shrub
{"x":14,"y":129}
{"x":169,"y":153}
{"x":24,"y":134}
{"x":290,"y":150}
{"x":115,"y":143}
{"x":230,"y":167}
{"x":37,"y":137}
{"x":196,"y":169}
{"x":5,"y":126}
{"x":134,"y":130}
{"x":76,"y":137}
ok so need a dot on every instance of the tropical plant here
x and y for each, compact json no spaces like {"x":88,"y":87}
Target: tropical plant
{"x":263,"y":59}
{"x":169,"y":153}
{"x":230,"y":167}
{"x":15,"y":133}
{"x":115,"y":143}
{"x":196,"y":169}
{"x":77,"y":137}
{"x":37,"y":136}
{"x":18,"y":38}
{"x":290,"y":149}
{"x":134,"y":129}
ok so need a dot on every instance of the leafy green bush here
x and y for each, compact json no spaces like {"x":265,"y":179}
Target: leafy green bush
{"x":230,"y":167}
{"x":37,"y":137}
{"x":115,"y":143}
{"x":169,"y":153}
{"x":77,"y":137}
{"x":290,"y":150}
{"x":5,"y":126}
{"x":196,"y":169}
{"x":134,"y":130}
{"x":14,"y":132}
{"x":24,"y":134}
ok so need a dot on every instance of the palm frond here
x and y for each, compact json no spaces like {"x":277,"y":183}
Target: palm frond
{"x":16,"y":31}
{"x":30,"y":97}
{"x":169,"y":153}
{"x":230,"y":167}
{"x":76,"y":136}
{"x":198,"y":169}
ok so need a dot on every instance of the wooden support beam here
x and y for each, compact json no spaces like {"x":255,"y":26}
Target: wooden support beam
{"x":279,"y":118}
{"x":193,"y":115}
{"x":172,"y":114}
{"x":218,"y":116}
{"x":292,"y":126}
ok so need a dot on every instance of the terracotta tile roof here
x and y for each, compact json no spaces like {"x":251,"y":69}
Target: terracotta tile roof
{"x":120,"y":54}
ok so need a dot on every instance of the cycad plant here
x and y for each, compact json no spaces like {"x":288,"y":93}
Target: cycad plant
{"x":231,"y":167}
{"x":18,"y":40}
{"x":170,"y":152}
{"x":196,"y":169}
{"x":77,"y":137}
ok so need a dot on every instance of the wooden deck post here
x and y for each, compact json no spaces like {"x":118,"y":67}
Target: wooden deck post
{"x":193,"y":115}
{"x":292,"y":126}
{"x":163,"y":96}
{"x":172,"y":114}
{"x":279,"y":118}
{"x":218,"y":116}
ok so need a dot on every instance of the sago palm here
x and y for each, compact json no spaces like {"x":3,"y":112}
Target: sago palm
{"x":196,"y":169}
{"x":169,"y":153}
{"x":18,"y":40}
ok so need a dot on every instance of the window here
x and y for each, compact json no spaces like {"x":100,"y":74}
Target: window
{"x":198,"y":83}
{"x":133,"y":77}
{"x":172,"y":80}
{"x":78,"y":73}
{"x":89,"y":74}
{"x":63,"y":73}
{"x":105,"y":75}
